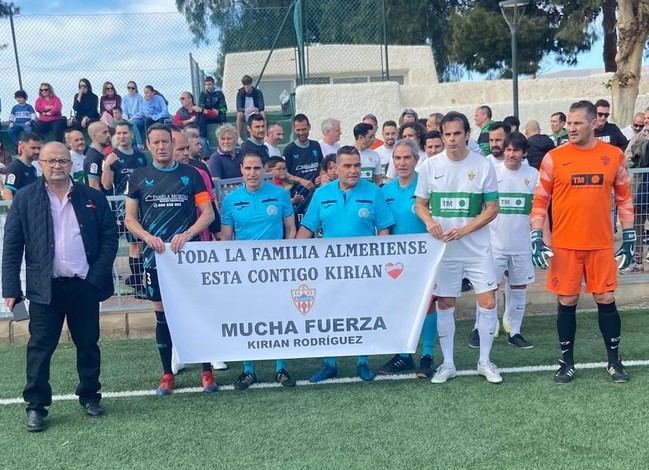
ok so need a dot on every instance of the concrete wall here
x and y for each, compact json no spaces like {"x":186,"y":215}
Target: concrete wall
{"x":414,"y":63}
{"x":538,"y":99}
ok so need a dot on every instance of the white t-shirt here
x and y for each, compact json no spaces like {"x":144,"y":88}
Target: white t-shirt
{"x":386,"y":157}
{"x":272,"y":150}
{"x":327,"y":149}
{"x":370,"y":165}
{"x":457,"y":191}
{"x":510,"y":230}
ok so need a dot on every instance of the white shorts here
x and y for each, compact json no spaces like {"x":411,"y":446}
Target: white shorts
{"x":520,"y":270}
{"x":480,"y":272}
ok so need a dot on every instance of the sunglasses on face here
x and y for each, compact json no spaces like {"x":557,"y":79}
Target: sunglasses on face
{"x":130,"y":88}
{"x":44,"y":89}
{"x":109,"y":88}
{"x":638,"y":126}
{"x":603,"y":115}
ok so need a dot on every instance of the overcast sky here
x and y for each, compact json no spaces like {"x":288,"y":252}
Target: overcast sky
{"x":108,"y":41}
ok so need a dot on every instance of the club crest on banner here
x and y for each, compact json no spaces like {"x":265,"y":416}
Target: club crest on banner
{"x":303,"y":298}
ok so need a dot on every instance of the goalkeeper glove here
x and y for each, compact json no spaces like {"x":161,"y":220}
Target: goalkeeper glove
{"x":540,"y":251}
{"x":624,"y":254}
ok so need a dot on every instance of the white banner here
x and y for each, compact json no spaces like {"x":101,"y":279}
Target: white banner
{"x":283,"y":299}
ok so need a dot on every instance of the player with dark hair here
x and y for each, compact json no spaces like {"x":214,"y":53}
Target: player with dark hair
{"x":258,"y":210}
{"x":457,"y":196}
{"x":579,"y":178}
{"x":161,"y":204}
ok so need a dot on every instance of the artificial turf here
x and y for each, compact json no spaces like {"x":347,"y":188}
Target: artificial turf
{"x":526,"y":422}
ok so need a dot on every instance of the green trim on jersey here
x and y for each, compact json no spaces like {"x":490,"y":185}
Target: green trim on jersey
{"x":456,"y":204}
{"x":367,"y":173}
{"x":491,"y":197}
{"x":515,"y":203}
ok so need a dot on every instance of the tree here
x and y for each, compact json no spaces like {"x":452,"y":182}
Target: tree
{"x":466,"y":35}
{"x":481,"y":40}
{"x":609,"y":23}
{"x":633,"y":31}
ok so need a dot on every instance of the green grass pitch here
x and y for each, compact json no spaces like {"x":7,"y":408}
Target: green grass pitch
{"x":527,"y":422}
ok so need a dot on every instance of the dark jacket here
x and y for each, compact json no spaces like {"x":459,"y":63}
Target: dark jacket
{"x":539,"y":145}
{"x":257,"y":98}
{"x":86,"y":107}
{"x":29,"y":229}
{"x":211,"y":102}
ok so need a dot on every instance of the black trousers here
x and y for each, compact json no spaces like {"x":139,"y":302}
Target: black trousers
{"x":77,"y":300}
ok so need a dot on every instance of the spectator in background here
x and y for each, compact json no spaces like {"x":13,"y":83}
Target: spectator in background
{"x":389,"y":132}
{"x":189,"y":113}
{"x":433,"y":122}
{"x":109,"y":100}
{"x":539,"y":144}
{"x":154,"y":107}
{"x":212,"y":103}
{"x":196,"y":149}
{"x":303,"y":158}
{"x":76,"y":144}
{"x":5,"y":160}
{"x":497,"y":135}
{"x":132,"y":110}
{"x":274,"y":137}
{"x":557,"y":126}
{"x":93,"y":163}
{"x":606,"y":131}
{"x":371,"y":119}
{"x":408,"y":115}
{"x":370,"y":160}
{"x":635,"y":127}
{"x":225,"y":163}
{"x":433,"y":143}
{"x":85,"y":105}
{"x":22,"y":172}
{"x":256,"y":135}
{"x":49,"y":106}
{"x":482,"y":119}
{"x":328,"y":169}
{"x":331,"y":132}
{"x":250,"y":100}
{"x":513,"y":122}
{"x":22,"y":116}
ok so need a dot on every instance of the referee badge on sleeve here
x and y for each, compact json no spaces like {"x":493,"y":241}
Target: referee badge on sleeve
{"x":11,"y":179}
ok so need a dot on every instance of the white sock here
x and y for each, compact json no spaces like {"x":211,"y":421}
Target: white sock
{"x":477,"y":316}
{"x":516,"y":307}
{"x":506,"y":292}
{"x":446,"y":333}
{"x":486,"y":329}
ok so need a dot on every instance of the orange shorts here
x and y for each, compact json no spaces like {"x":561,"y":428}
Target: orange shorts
{"x":569,"y":267}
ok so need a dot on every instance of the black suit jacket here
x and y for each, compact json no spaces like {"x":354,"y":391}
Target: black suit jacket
{"x":29,"y":230}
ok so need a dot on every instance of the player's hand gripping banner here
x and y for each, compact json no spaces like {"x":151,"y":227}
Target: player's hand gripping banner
{"x":298,"y":298}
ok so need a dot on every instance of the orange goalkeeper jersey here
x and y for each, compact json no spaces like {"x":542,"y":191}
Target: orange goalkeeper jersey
{"x":580,"y":183}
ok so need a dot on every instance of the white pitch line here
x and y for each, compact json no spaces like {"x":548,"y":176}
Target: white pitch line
{"x":342,"y":380}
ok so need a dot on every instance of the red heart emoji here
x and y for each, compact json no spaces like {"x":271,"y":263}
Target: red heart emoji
{"x":394,"y":270}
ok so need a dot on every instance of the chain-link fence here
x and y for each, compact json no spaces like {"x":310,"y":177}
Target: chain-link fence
{"x":149,"y":48}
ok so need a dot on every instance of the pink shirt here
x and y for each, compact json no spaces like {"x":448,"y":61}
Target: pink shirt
{"x":69,"y":253}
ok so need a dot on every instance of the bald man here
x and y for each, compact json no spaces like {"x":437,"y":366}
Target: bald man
{"x":92,"y":165}
{"x":539,"y":144}
{"x":69,"y":271}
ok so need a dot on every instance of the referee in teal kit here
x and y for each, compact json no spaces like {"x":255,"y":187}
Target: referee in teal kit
{"x":258,"y":210}
{"x":346,"y":207}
